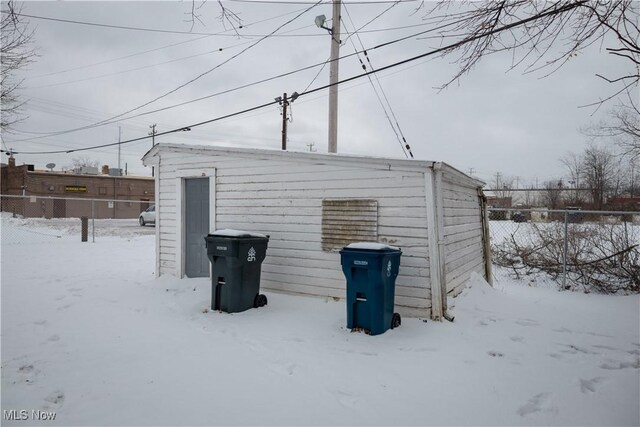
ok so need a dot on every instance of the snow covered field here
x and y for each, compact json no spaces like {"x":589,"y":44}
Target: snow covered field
{"x":89,"y":333}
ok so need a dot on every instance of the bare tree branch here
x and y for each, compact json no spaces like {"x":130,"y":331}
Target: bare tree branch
{"x":533,"y":32}
{"x":227,"y":17}
{"x":15,"y":54}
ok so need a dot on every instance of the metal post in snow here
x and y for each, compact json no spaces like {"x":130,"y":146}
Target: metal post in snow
{"x":93,"y":221}
{"x":566,"y":248}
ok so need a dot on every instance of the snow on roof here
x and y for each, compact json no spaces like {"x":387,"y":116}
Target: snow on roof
{"x":227,"y":232}
{"x":371,"y":246}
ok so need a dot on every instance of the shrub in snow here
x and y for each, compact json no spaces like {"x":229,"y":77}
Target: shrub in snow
{"x":601,"y":258}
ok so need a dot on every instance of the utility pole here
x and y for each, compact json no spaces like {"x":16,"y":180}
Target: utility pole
{"x":471,"y":171}
{"x":153,"y":143}
{"x":119,"y":139}
{"x":284,"y":121}
{"x":333,"y":78}
{"x":311,"y":145}
{"x":153,"y":134}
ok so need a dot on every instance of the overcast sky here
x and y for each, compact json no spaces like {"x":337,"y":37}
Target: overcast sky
{"x":492,"y":121}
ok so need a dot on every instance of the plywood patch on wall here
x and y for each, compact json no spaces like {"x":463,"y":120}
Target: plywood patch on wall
{"x":345,"y":221}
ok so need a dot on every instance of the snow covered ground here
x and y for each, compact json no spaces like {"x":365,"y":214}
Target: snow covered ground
{"x":89,"y":333}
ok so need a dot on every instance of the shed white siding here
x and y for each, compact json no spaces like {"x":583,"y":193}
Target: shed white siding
{"x":281,"y":194}
{"x":462,"y":229}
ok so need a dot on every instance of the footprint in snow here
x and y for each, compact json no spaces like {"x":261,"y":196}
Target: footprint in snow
{"x":495,"y":354}
{"x":28,"y":373}
{"x":25,"y":369}
{"x":284,"y":368}
{"x":617,"y":364}
{"x":487,"y":321}
{"x":54,"y":338}
{"x":606,"y":347}
{"x":527,"y":322}
{"x":56,"y":398}
{"x":419,"y":349}
{"x":589,"y":386}
{"x":516,"y":338}
{"x":538,"y":403}
{"x":574,"y":349}
{"x":40,"y":322}
{"x":346,"y":399}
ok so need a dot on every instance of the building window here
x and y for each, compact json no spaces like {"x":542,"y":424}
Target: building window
{"x":345,"y":221}
{"x":102,"y":191}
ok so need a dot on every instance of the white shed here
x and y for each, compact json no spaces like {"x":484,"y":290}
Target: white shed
{"x":311,"y":205}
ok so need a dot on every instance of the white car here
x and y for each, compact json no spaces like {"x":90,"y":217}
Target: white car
{"x":148,"y":216}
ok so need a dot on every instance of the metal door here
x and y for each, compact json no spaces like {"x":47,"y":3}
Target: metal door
{"x":197,"y":226}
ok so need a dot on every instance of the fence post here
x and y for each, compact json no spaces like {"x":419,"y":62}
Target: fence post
{"x":566,"y":248}
{"x":84,"y":221}
{"x":93,"y":221}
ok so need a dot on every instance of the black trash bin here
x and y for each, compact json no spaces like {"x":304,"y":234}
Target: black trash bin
{"x":236,"y":260}
{"x":371,"y":270}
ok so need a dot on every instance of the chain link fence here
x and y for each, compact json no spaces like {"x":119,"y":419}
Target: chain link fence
{"x":591,"y":251}
{"x":34,"y":218}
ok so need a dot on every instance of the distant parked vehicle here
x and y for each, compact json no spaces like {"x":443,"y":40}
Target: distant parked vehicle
{"x":148,"y":216}
{"x":518,"y":217}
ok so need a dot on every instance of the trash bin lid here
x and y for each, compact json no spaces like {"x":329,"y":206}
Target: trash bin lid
{"x":372,"y":246}
{"x":227,"y":232}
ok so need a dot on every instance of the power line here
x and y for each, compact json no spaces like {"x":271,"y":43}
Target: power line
{"x":172,"y":60}
{"x":375,"y":90}
{"x":360,"y":31}
{"x":221,"y":34}
{"x":318,"y":73}
{"x":157,"y":30}
{"x":261,"y":106}
{"x":369,"y":77}
{"x":158,"y":48}
{"x":357,"y":2}
{"x":113,"y":119}
{"x":405,"y":147}
{"x":110,"y":121}
{"x":188,"y":82}
{"x":81,"y":67}
{"x":60,"y":108}
{"x":144,"y":67}
{"x":373,"y":19}
{"x":121,"y":27}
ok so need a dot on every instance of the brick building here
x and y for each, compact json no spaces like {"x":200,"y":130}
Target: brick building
{"x":67,"y":195}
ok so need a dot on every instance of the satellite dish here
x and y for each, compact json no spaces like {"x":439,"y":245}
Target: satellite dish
{"x":50,"y":166}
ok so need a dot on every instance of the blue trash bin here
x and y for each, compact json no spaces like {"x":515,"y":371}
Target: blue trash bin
{"x":371,"y":270}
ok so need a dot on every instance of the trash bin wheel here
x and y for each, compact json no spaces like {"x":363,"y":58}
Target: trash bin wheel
{"x":260,"y":301}
{"x":396,"y":321}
